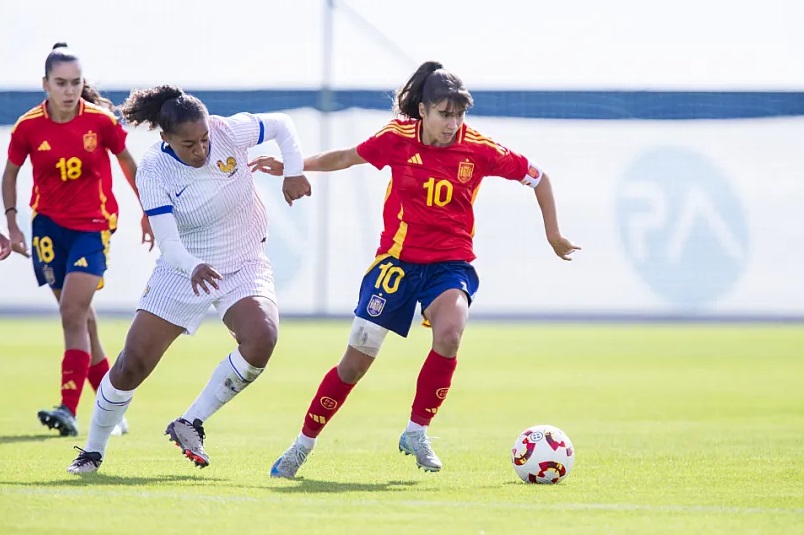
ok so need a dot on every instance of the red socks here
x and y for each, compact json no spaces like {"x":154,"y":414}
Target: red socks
{"x":74,"y":370}
{"x":328,"y":399}
{"x":432,"y":387}
{"x":96,"y":373}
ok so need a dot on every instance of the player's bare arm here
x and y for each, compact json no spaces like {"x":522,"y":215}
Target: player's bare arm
{"x":5,"y":247}
{"x":544,"y":195}
{"x":333,"y":160}
{"x":15,"y":235}
{"x":296,"y":187}
{"x":129,"y":167}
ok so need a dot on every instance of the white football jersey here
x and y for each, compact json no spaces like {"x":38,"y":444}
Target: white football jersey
{"x":220,"y":217}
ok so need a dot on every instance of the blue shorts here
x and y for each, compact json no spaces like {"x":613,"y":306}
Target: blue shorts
{"x":57,"y":251}
{"x":391,"y":288}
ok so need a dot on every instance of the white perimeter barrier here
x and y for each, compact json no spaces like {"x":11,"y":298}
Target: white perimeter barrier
{"x":676,"y":218}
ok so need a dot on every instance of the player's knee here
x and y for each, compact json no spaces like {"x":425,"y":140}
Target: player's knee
{"x":366,"y":337}
{"x":129,"y":370}
{"x":353,"y":366}
{"x":73,"y":315}
{"x":258,"y":345}
{"x":447,"y":340}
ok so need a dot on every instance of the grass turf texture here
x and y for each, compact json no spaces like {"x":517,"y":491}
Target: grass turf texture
{"x":677,"y":428}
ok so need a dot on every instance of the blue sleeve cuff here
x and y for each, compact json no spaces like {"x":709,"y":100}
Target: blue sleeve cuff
{"x":262,"y":131}
{"x":167,"y":209}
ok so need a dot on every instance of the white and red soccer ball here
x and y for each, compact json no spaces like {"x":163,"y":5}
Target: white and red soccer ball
{"x":542,"y":454}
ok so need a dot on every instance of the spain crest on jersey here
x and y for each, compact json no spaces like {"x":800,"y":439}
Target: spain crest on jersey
{"x":90,"y":141}
{"x":465,"y":170}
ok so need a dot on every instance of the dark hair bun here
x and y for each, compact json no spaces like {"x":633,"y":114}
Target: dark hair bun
{"x":60,"y":44}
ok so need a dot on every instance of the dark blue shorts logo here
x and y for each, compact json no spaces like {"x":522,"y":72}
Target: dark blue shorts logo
{"x":375,"y":306}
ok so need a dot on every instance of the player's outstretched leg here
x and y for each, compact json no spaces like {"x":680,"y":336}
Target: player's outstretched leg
{"x":416,"y":442}
{"x":87,"y":462}
{"x":110,"y":405}
{"x":331,"y":395}
{"x":189,"y":437}
{"x":432,"y":387}
{"x":62,"y":419}
{"x":294,"y":457}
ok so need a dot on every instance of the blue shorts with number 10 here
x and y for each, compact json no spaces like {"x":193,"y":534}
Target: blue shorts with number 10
{"x":391,"y":289}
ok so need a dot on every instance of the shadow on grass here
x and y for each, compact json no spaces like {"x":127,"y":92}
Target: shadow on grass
{"x":323,"y":487}
{"x":101,"y":479}
{"x":15,"y":439}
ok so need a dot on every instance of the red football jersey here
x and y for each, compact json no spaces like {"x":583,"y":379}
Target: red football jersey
{"x":428,"y":215}
{"x":72,"y":174}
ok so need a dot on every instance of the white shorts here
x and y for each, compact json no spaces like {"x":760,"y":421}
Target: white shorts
{"x":169,"y":294}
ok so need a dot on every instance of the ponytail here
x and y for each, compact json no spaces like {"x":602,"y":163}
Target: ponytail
{"x":431,"y":84}
{"x":164,"y":107}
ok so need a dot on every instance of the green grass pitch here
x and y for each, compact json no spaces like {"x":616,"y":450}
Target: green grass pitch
{"x":677,"y":429}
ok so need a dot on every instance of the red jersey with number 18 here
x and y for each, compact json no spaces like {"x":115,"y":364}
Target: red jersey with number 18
{"x":72,"y":174}
{"x":428,"y":215}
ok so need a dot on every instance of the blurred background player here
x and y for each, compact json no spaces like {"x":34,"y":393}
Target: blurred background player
{"x":437,"y":163}
{"x":74,"y":214}
{"x":211,"y":227}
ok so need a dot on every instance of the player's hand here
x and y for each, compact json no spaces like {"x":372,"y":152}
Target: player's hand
{"x":147,"y":233}
{"x":296,"y":187}
{"x":17,"y":239}
{"x":562,"y":246}
{"x":204,"y":274}
{"x":267,"y":164}
{"x":5,"y":247}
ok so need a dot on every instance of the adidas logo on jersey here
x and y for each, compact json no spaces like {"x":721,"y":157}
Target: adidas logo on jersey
{"x":81,"y":262}
{"x":415,"y":159}
{"x":44,"y":146}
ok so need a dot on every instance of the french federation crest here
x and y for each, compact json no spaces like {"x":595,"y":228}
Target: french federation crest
{"x":90,"y":141}
{"x":230,"y":167}
{"x":465,"y":170}
{"x":375,"y":306}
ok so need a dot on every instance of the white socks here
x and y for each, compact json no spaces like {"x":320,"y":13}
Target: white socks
{"x":304,"y":440}
{"x":231,"y":376}
{"x":110,"y":406}
{"x":413,"y":426}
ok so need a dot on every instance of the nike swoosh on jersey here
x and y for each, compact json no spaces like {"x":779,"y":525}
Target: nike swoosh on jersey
{"x":178,"y":193}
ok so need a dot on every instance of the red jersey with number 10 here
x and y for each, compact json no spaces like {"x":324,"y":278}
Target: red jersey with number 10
{"x":428,"y":215}
{"x":72,"y":174}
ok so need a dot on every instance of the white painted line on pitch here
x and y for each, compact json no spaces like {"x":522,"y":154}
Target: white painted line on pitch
{"x":414,"y":503}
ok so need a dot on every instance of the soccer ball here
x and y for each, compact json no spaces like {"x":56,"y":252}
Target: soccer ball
{"x":542,"y":454}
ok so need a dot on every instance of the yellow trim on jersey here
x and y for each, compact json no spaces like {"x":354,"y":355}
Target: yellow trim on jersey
{"x":111,"y":218}
{"x":33,"y":113}
{"x":480,"y":140}
{"x":403,"y":130}
{"x":472,"y":202}
{"x":400,"y":235}
{"x":376,"y":261}
{"x":100,"y":110}
{"x":106,"y":236}
{"x":388,"y":189}
{"x":36,"y":200}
